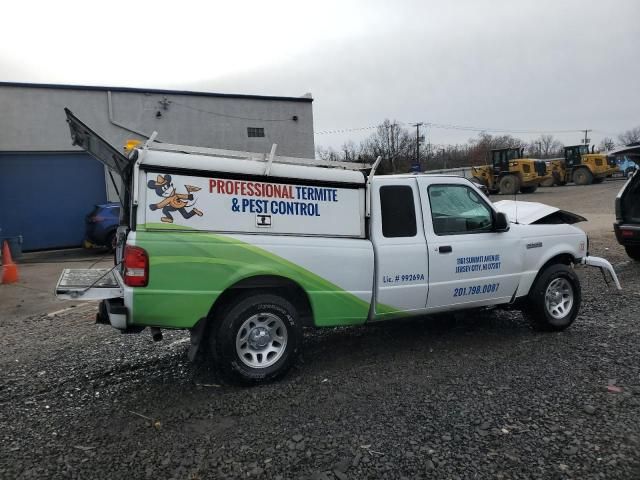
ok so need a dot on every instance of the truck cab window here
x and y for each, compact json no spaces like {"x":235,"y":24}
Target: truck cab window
{"x":398,"y":211}
{"x":457,"y":209}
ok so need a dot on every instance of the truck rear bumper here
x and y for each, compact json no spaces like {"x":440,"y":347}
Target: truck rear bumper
{"x":627,"y":234}
{"x":603,"y":265}
{"x":115,"y":312}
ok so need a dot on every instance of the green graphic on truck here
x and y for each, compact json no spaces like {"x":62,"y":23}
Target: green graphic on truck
{"x":204,"y":265}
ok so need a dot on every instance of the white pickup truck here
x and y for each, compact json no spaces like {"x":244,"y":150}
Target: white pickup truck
{"x":244,"y":250}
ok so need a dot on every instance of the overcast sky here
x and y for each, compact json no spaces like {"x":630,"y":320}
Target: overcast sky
{"x":515,"y":65}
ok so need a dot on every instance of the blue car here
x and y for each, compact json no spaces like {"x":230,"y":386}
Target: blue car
{"x":627,"y":166}
{"x":101,"y":226}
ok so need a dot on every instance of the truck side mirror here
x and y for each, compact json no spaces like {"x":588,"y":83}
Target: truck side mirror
{"x":501,"y":222}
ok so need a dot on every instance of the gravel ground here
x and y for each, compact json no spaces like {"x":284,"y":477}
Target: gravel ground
{"x":478,"y":396}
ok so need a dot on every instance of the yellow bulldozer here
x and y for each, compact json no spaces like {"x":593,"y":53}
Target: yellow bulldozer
{"x":580,"y":167}
{"x":510,"y":172}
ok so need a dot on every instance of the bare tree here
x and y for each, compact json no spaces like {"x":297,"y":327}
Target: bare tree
{"x":350,"y":152}
{"x":328,"y":154}
{"x":545,"y":146}
{"x":396,"y":145}
{"x":393,"y":143}
{"x":448,"y":156}
{"x":606,"y":144}
{"x":481,"y":146}
{"x":630,"y":136}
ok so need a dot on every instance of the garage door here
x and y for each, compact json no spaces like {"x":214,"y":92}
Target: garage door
{"x":45,"y":197}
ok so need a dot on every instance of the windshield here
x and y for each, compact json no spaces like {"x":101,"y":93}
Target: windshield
{"x":513,"y":154}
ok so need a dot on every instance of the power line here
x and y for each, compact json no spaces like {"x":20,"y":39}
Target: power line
{"x":443,"y":126}
{"x":499,"y":130}
{"x":447,"y":126}
{"x":344,"y":130}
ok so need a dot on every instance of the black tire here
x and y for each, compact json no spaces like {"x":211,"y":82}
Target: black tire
{"x":536,"y":309}
{"x":633,"y":251}
{"x":110,"y":242}
{"x":562,"y":183}
{"x":509,"y":185}
{"x":549,"y":182}
{"x":530,"y":189}
{"x":264,"y":308}
{"x":598,"y":180}
{"x":582,"y":176}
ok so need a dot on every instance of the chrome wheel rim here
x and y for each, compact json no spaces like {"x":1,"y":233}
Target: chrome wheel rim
{"x":559,"y":298}
{"x":261,"y":340}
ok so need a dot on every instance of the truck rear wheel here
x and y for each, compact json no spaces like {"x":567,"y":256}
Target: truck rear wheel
{"x":554,"y":299}
{"x":509,"y":185}
{"x":257,"y":340}
{"x":582,"y":176}
{"x":633,"y":251}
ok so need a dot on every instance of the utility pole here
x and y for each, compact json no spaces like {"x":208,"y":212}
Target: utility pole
{"x":586,"y":138}
{"x":416,"y":166}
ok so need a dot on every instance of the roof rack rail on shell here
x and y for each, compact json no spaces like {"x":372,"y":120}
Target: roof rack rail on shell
{"x":261,"y":157}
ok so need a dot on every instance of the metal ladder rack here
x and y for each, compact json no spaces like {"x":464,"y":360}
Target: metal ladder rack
{"x":268,"y":158}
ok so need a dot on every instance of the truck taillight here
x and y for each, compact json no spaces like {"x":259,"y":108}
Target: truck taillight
{"x":136,"y":266}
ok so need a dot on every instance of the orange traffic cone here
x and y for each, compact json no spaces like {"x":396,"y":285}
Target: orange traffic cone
{"x":9,"y":269}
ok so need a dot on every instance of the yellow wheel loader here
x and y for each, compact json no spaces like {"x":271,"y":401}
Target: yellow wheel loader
{"x":584,"y":168}
{"x":509,"y":172}
{"x":558,"y":173}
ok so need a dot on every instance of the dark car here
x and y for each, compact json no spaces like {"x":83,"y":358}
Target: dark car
{"x":101,"y":226}
{"x":627,"y":226}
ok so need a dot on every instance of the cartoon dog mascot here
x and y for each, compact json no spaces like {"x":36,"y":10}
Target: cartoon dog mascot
{"x":172,"y":201}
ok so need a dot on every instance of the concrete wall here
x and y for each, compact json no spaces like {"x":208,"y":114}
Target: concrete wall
{"x":32,"y":118}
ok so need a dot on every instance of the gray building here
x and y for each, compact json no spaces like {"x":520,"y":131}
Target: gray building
{"x":47,"y":186}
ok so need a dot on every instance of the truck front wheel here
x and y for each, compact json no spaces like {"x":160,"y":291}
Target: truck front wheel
{"x":257,"y":340}
{"x":554,"y":300}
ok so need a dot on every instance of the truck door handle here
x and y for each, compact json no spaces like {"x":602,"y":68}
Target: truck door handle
{"x":445,"y":249}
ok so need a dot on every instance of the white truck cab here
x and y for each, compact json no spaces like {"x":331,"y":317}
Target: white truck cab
{"x":244,"y":250}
